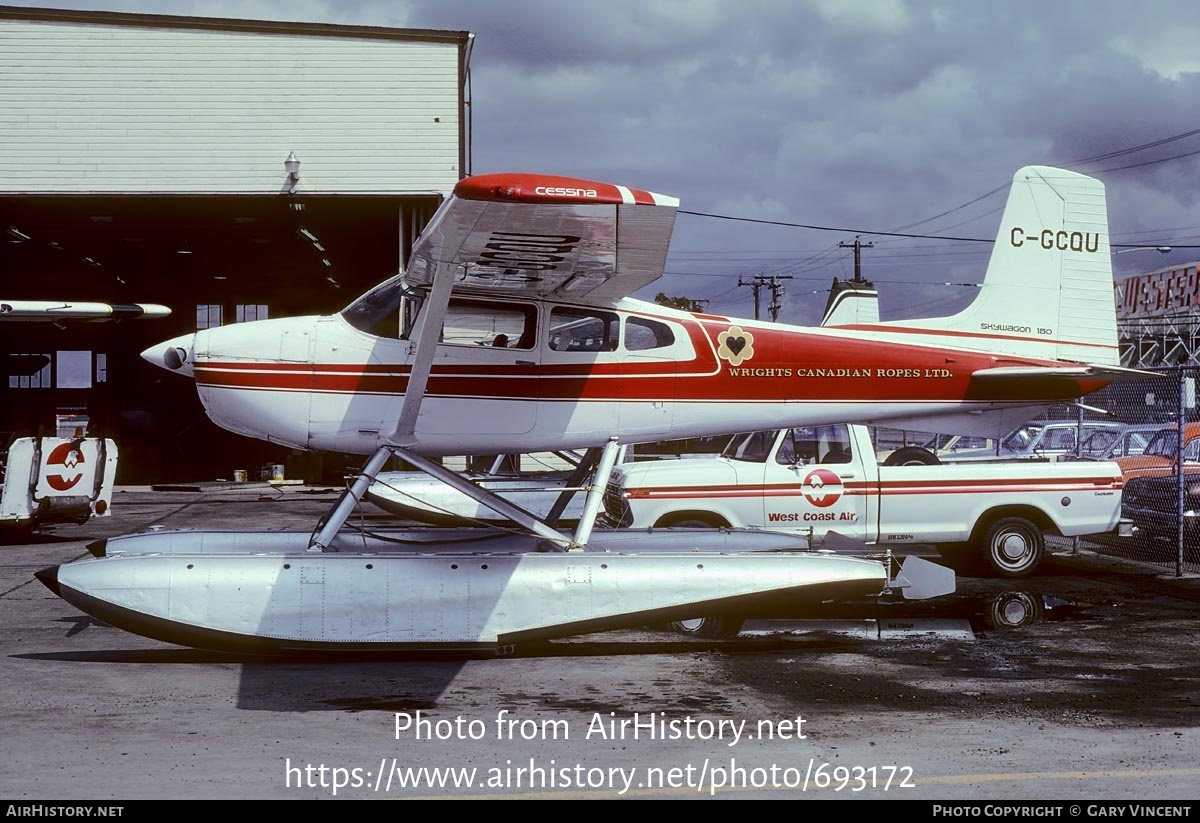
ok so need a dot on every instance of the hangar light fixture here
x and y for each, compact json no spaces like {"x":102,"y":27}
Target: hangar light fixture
{"x":292,"y":165}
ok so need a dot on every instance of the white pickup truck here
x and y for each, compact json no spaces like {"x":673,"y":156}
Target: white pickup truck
{"x":818,"y":480}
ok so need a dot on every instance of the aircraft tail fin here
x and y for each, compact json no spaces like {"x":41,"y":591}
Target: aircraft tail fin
{"x":1048,"y":291}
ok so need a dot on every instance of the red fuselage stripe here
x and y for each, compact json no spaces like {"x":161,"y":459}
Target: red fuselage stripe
{"x":611,"y":382}
{"x":888,"y":488}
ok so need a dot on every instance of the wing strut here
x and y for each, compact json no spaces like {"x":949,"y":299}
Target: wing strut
{"x":595,"y":495}
{"x":404,"y":435}
{"x":582,"y":469}
{"x":607,"y":458}
{"x":405,"y":432}
{"x":487,"y":498}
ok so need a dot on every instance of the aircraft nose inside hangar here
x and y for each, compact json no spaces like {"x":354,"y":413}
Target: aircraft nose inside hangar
{"x":165,"y":180}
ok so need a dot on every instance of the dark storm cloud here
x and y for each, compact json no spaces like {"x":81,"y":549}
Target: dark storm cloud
{"x":869,"y":115}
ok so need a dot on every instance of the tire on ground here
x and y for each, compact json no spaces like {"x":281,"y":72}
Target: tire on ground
{"x":1010,"y":547}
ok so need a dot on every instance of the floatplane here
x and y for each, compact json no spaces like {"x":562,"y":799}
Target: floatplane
{"x":511,"y":330}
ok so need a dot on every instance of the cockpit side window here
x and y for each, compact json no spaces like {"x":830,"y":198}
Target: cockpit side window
{"x":484,"y":323}
{"x":643,"y":334}
{"x":583,"y":330}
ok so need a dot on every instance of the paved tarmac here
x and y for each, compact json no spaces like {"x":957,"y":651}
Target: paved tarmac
{"x":1078,"y":684}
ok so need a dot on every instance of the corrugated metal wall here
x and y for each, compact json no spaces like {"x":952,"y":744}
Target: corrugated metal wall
{"x":88,"y":108}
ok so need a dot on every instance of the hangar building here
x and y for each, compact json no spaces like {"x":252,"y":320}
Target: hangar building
{"x":229,"y":169}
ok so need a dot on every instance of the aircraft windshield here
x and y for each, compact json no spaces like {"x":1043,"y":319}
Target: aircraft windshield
{"x":387,"y":310}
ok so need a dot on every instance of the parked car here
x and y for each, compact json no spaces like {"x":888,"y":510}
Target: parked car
{"x":1046,"y":439}
{"x":1159,"y":456}
{"x":1152,"y":505}
{"x":1131,"y":439}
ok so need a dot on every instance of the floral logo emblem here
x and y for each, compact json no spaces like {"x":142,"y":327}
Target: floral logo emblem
{"x":735,"y":345}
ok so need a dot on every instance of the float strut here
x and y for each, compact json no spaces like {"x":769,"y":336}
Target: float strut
{"x":350,"y":498}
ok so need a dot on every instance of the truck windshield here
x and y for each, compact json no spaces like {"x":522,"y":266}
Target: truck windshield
{"x":753,"y":447}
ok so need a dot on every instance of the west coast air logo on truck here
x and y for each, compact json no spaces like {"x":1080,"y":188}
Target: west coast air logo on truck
{"x":62,"y":470}
{"x":735,"y":345}
{"x":821,"y":487}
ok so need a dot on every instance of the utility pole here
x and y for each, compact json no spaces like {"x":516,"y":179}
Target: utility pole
{"x":772,"y":282}
{"x":776,"y":292}
{"x":858,"y":245}
{"x":756,"y":286}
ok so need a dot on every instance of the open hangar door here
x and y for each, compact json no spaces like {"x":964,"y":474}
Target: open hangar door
{"x":213,"y":260}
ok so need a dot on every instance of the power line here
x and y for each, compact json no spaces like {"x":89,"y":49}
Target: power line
{"x":1119,"y":152}
{"x":899,"y":233}
{"x":842,"y":229}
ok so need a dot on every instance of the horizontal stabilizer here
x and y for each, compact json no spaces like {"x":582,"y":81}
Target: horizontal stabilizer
{"x":1110,"y":374}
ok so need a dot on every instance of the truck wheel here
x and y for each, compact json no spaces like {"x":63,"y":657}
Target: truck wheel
{"x":912,"y":456}
{"x":708,"y":626}
{"x":1011,"y":547}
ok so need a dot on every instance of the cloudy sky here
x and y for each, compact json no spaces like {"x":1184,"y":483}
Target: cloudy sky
{"x":860,"y":115}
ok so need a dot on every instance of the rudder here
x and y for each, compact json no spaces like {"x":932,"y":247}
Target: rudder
{"x":1048,"y":290}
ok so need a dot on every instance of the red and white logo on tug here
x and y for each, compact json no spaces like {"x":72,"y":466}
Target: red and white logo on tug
{"x":62,"y":471}
{"x":821,"y":487}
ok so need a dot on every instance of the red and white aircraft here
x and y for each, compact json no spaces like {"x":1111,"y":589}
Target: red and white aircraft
{"x":512,"y":330}
{"x":525,"y":279}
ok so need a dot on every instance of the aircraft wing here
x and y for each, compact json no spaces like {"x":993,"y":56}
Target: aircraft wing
{"x":543,"y":236}
{"x":59,"y":310}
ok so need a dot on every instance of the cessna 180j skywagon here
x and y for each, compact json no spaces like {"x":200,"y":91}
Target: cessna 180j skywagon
{"x":511,"y":330}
